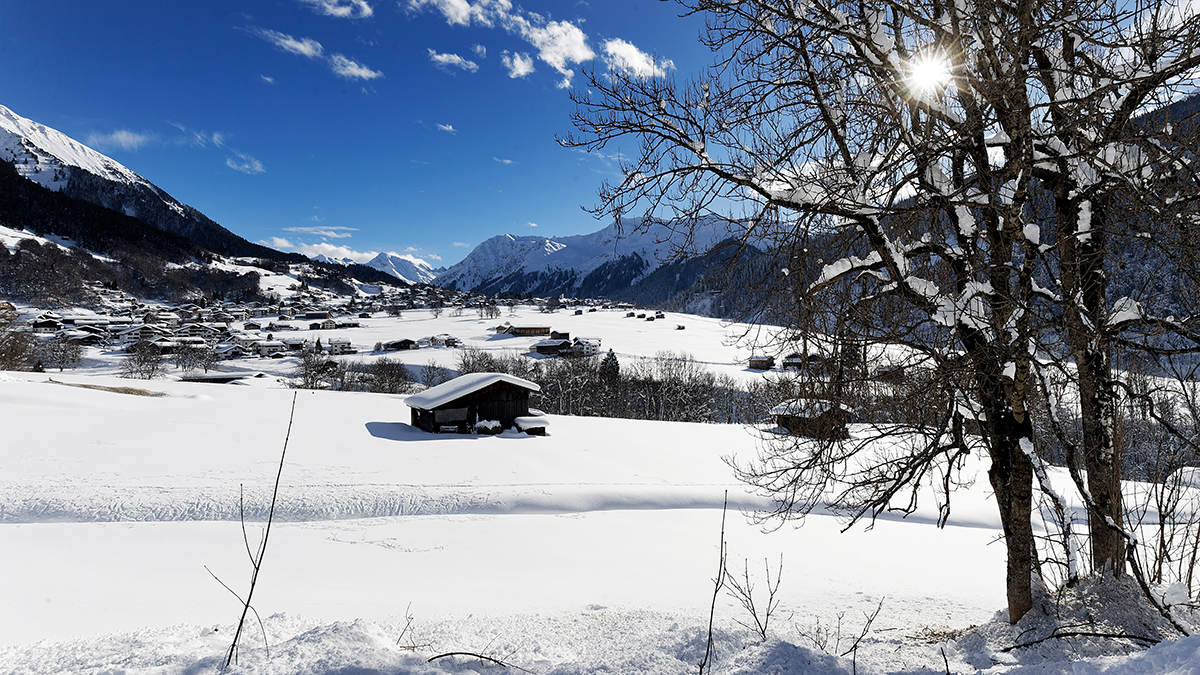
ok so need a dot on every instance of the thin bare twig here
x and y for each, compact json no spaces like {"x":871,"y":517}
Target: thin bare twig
{"x":481,"y":657}
{"x":1083,"y":633}
{"x":256,"y":560}
{"x":718,"y":583}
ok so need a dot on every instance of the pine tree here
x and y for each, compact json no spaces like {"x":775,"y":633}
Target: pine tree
{"x":610,"y":369}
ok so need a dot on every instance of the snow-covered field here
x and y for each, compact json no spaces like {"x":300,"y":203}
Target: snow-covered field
{"x":590,"y":550}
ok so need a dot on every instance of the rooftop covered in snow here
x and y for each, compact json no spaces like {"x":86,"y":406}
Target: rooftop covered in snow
{"x":461,"y":386}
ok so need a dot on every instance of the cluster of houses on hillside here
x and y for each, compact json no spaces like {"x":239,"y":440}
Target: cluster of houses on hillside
{"x":231,"y":330}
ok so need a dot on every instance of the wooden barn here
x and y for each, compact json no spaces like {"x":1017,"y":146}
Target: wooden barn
{"x":459,"y":405}
{"x":813,"y":418}
{"x":761,"y":362}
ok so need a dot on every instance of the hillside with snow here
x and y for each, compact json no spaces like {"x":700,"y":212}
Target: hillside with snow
{"x":57,"y":162}
{"x":589,"y":550}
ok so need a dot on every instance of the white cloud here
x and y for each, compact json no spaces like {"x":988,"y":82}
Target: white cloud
{"x":560,"y":44}
{"x":624,"y":57}
{"x":503,"y":161}
{"x":463,"y":13}
{"x":268,"y":80}
{"x":444,"y":61}
{"x":531,"y":224}
{"x":480,"y":51}
{"x":447,"y":128}
{"x":346,"y":9}
{"x":121,"y":138}
{"x":323,"y":248}
{"x":244,"y":163}
{"x":302,"y":46}
{"x":351,"y":69}
{"x":460,"y":244}
{"x":433,"y":256}
{"x":519,"y":65}
{"x":341,"y":65}
{"x":330,"y":232}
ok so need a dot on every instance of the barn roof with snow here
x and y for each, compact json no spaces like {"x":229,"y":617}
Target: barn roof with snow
{"x":444,"y":393}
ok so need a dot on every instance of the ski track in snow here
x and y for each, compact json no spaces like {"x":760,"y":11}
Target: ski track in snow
{"x":41,"y":503}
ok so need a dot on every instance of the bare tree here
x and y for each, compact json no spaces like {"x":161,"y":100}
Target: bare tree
{"x":16,"y":344}
{"x":966,"y":167}
{"x":143,"y":361}
{"x":60,"y":352}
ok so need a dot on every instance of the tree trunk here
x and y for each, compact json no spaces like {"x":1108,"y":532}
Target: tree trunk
{"x":1086,"y":313}
{"x":1011,"y":476}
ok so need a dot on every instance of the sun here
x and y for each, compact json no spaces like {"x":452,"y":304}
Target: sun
{"x":928,"y":74}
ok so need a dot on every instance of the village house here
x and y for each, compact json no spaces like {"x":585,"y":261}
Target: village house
{"x":551,"y":347}
{"x":339,"y":345}
{"x":586,"y":346}
{"x":527,"y":330}
{"x":813,"y":418}
{"x":487,"y":402}
{"x":270,"y":347}
{"x":761,"y":362}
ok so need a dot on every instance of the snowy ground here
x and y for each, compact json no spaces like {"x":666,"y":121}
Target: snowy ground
{"x":590,"y":550}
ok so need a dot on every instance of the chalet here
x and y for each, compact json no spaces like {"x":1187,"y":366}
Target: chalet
{"x":444,"y":340}
{"x":762,"y":362}
{"x":795,"y":361}
{"x":79,"y":337}
{"x":309,"y":316}
{"x":551,"y":347}
{"x":397,"y":345}
{"x":191,"y":342}
{"x":555,"y":335}
{"x":528,"y":330}
{"x":230,"y":351}
{"x":813,"y":418}
{"x":327,"y":324}
{"x":271,"y":347}
{"x":142,"y":332}
{"x":349,"y":324}
{"x":294,"y":344}
{"x":45,"y":325}
{"x":462,"y":404}
{"x":252,"y":325}
{"x":586,"y":346}
{"x":337,"y":346}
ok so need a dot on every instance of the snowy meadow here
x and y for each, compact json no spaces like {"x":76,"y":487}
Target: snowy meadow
{"x":127,"y":507}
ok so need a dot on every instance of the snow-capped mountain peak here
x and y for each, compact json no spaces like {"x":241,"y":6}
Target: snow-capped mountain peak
{"x":45,"y":155}
{"x":405,"y":267}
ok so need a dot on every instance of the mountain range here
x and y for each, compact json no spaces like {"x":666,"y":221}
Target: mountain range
{"x":404,"y":267}
{"x":610,"y":263}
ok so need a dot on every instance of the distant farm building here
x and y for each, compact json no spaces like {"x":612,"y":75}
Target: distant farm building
{"x":762,"y":362}
{"x":527,"y":330}
{"x":476,"y":400}
{"x":398,"y":345}
{"x":813,"y":418}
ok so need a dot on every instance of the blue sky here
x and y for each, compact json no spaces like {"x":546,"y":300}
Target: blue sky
{"x":344,"y":127}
